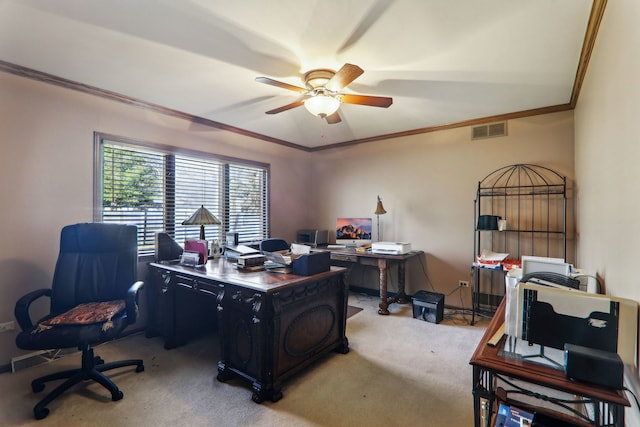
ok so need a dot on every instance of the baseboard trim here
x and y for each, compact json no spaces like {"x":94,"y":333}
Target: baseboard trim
{"x":8,"y":368}
{"x":368,"y":291}
{"x":376,"y":293}
{"x":490,"y":301}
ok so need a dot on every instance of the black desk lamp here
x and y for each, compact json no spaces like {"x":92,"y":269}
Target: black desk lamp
{"x":379,"y":211}
{"x":202,"y":217}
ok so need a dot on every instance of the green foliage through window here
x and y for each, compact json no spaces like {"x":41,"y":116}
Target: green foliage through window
{"x":128,"y":179}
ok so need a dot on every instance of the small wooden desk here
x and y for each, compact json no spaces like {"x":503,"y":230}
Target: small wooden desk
{"x":345,"y":257}
{"x":271,"y":325}
{"x":488,"y":365}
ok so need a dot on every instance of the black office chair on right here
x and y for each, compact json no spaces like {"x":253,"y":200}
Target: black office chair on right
{"x":273,"y":245}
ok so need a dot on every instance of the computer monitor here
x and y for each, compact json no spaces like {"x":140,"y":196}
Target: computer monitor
{"x":353,"y":231}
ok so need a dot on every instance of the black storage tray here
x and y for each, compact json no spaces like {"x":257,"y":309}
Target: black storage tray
{"x":313,"y":263}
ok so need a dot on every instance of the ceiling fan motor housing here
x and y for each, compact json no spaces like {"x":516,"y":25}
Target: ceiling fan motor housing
{"x":317,"y":78}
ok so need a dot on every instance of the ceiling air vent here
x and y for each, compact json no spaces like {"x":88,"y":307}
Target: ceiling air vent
{"x":489,"y":131}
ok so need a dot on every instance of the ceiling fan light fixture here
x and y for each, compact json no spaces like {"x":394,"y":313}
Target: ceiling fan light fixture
{"x":322,"y":96}
{"x":322,"y":105}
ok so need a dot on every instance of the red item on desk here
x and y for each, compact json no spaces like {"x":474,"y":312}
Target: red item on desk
{"x":200,"y":246}
{"x":509,"y":264}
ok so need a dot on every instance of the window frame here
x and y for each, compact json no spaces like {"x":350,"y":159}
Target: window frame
{"x":171,"y":152}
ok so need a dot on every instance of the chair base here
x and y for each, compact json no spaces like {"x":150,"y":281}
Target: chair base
{"x":92,"y":368}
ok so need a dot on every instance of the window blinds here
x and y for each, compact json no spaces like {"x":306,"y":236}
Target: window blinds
{"x":157,"y":189}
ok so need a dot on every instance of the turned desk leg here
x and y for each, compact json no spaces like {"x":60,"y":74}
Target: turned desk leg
{"x":402,"y":297}
{"x":384,"y":300}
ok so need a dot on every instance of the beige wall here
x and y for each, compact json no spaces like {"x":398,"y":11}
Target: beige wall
{"x":46,"y":175}
{"x":608,"y":152}
{"x":607,"y":156}
{"x":428,"y":184}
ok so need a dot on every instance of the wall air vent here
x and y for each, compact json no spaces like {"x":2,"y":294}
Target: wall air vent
{"x":36,"y":358}
{"x":491,"y":130}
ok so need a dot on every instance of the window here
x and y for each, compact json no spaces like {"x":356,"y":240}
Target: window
{"x":156,"y":188}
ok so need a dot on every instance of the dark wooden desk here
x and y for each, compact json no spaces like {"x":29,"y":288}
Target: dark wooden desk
{"x":488,"y":365}
{"x":271,"y":325}
{"x":345,"y":257}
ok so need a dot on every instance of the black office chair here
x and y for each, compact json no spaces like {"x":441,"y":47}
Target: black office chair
{"x":273,"y":245}
{"x":94,"y":297}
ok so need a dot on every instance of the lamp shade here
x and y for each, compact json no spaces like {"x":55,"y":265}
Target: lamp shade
{"x":379,"y":208}
{"x":201,"y":217}
{"x":322,"y":105}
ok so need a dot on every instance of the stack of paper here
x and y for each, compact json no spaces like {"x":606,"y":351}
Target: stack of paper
{"x":490,"y":259}
{"x":281,"y":261}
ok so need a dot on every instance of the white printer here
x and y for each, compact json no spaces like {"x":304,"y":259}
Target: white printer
{"x":390,"y":248}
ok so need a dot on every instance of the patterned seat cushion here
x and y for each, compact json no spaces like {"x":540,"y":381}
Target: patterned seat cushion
{"x":87,"y":313}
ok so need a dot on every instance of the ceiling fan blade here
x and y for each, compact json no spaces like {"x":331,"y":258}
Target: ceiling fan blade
{"x":286,"y":107}
{"x":268,"y":81}
{"x":373,"y":101}
{"x":370,"y":18}
{"x":343,"y":77}
{"x":333,"y":118}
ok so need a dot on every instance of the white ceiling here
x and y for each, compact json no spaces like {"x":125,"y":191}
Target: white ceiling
{"x":442,"y":61}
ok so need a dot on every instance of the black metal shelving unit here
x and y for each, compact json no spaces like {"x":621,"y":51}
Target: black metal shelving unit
{"x":532,"y":199}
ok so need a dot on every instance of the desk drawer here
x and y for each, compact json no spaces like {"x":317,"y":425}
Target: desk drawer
{"x":206,"y":287}
{"x":344,"y":257}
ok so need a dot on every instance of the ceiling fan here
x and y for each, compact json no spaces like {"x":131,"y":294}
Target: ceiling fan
{"x":322,"y":96}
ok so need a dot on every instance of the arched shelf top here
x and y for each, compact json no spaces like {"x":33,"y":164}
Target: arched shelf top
{"x":522,"y":179}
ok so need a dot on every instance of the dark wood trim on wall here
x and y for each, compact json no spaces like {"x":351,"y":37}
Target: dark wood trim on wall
{"x":92,"y":90}
{"x":473,"y":122}
{"x":597,"y":12}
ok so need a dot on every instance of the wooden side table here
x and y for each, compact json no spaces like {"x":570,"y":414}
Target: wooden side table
{"x":489,"y":367}
{"x":344,"y":257}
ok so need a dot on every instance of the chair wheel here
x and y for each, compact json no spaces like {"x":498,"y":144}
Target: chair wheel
{"x":37,"y":388}
{"x":140,"y":368}
{"x":40,"y":413}
{"x":117,"y":395}
{"x":98,"y":360}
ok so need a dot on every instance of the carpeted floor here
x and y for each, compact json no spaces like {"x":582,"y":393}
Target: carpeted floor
{"x":399,"y":371}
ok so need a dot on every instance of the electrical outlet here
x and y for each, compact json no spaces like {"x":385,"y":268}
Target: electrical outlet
{"x":7,"y":326}
{"x":463,"y":283}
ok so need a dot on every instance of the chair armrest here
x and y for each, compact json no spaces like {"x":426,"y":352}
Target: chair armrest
{"x":131,"y":301}
{"x":21,"y":310}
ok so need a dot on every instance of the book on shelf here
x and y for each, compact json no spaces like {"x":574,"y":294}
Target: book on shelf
{"x":488,"y":265}
{"x":501,"y":416}
{"x":511,"y":416}
{"x":250,"y":268}
{"x":490,"y":259}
